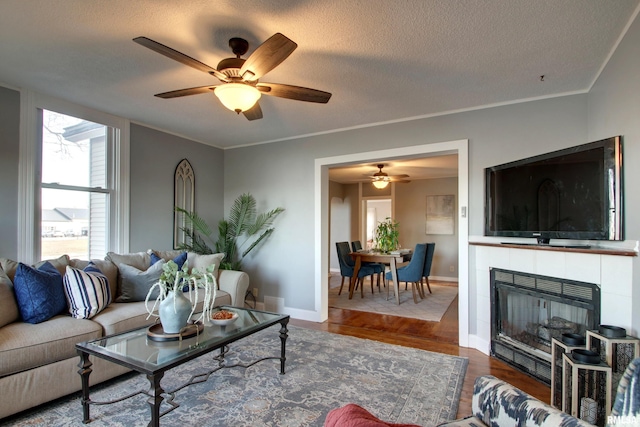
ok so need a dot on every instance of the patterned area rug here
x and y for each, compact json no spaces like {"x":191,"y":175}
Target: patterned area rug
{"x":432,"y":308}
{"x":323,"y":371}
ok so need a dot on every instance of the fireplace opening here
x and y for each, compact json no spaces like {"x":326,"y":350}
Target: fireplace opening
{"x":528,"y":310}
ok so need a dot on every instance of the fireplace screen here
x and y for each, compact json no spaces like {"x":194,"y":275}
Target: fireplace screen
{"x":529,"y":310}
{"x":533,"y":321}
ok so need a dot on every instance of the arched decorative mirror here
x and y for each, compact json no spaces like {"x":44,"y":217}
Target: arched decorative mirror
{"x":183,"y":197}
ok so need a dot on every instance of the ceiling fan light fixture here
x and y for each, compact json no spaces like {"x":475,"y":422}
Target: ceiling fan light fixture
{"x":380,"y":182}
{"x":237,"y":97}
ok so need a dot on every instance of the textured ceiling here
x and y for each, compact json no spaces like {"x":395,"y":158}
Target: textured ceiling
{"x":420,"y":168}
{"x":382,"y":60}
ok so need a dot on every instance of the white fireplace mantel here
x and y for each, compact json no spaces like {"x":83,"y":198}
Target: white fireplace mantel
{"x":609,"y":268}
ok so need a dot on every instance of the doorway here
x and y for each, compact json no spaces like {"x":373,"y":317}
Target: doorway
{"x":321,"y":236}
{"x":375,"y":211}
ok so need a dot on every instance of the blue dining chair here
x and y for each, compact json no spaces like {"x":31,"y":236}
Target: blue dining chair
{"x":412,"y":272}
{"x":431,"y":247}
{"x":378,"y":268}
{"x":347,"y":267}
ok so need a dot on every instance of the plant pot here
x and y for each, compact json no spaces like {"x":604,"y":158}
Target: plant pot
{"x":174,"y":312}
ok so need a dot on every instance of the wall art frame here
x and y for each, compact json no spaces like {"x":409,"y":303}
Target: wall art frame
{"x":440,"y":214}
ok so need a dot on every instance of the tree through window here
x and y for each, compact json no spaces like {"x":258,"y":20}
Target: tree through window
{"x":75,"y":187}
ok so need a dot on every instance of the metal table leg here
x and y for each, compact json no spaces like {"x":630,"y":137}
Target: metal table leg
{"x":84,"y":371}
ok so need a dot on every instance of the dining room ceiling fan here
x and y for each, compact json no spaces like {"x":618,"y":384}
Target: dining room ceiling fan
{"x":240,"y":89}
{"x":382,"y":179}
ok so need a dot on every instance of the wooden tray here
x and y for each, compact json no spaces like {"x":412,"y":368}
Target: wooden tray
{"x":156,"y":333}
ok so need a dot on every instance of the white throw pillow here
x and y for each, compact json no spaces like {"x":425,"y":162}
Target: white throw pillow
{"x":87,"y":291}
{"x":201,"y":262}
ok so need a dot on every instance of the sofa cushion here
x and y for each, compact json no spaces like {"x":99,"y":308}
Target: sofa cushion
{"x":108,"y":268}
{"x":201,"y":262}
{"x":135,"y":284}
{"x":8,"y":305}
{"x":123,"y":316}
{"x":87,"y":291}
{"x":59,"y":263}
{"x":24,"y":346}
{"x":179,"y":259}
{"x":120,"y":317}
{"x":166,"y":255}
{"x":39,"y":292}
{"x":10,"y":266}
{"x":139,"y":260}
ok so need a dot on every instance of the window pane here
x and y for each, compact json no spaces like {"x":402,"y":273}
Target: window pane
{"x":74,"y":223}
{"x":73,"y":151}
{"x":75,"y":218}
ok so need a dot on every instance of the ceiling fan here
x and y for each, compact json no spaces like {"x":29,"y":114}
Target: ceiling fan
{"x":240,"y":89}
{"x":381,"y":179}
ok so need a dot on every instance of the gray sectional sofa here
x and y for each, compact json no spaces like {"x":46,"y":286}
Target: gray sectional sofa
{"x":39,"y":363}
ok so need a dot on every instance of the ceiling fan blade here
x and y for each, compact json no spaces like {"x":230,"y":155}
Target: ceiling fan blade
{"x":254,"y":113}
{"x":186,"y":92}
{"x":297,"y":93}
{"x":267,"y":56}
{"x":179,"y":56}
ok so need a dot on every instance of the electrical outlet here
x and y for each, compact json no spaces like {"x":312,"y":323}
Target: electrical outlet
{"x":255,"y":292}
{"x":451,"y":268}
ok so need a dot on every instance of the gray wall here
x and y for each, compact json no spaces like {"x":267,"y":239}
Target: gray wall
{"x":614,"y":109}
{"x":9,"y":149}
{"x":154,"y":157}
{"x":496,"y":135}
{"x":411,"y":215}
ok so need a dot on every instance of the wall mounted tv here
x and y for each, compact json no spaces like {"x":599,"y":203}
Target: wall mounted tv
{"x":575,"y":193}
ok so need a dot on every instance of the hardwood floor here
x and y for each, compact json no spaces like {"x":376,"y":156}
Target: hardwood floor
{"x":433,"y":336}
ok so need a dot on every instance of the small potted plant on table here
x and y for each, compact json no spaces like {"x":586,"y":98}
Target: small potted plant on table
{"x":386,"y":236}
{"x":173,"y":307}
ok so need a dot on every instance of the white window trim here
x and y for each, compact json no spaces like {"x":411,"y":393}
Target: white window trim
{"x":29,"y":172}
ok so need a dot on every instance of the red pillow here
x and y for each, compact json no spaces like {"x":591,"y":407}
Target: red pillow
{"x":352,"y":415}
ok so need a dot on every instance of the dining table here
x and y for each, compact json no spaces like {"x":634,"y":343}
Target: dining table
{"x":391,"y":259}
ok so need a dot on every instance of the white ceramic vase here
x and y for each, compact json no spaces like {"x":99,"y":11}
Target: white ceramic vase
{"x":174,"y":312}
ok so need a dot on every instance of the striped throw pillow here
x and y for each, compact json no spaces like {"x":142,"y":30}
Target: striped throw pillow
{"x":87,"y":291}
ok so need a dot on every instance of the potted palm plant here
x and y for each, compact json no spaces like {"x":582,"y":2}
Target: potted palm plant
{"x":237,"y":236}
{"x":173,"y":307}
{"x":386,"y":236}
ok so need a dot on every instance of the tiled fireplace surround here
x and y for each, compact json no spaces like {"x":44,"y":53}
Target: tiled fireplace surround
{"x":611,"y":270}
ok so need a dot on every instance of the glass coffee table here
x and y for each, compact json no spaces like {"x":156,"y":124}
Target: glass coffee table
{"x":153,"y":354}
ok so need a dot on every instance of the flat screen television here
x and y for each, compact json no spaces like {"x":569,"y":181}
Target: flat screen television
{"x":575,"y":193}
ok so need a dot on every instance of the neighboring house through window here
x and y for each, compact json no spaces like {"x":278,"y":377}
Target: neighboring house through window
{"x":75,"y":198}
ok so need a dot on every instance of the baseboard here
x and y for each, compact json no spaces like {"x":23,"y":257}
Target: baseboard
{"x":480,"y":344}
{"x":295,"y":313}
{"x":444,"y":278}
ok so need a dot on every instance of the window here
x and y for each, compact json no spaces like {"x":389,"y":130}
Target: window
{"x":75,"y":187}
{"x":74,"y":181}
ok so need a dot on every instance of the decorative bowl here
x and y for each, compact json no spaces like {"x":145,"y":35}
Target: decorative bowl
{"x":612,"y":331}
{"x":586,"y":356}
{"x":573,"y":339}
{"x":224,"y":322}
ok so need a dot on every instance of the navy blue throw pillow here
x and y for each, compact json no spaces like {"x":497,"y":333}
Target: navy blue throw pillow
{"x":180,"y":259}
{"x":39,"y":292}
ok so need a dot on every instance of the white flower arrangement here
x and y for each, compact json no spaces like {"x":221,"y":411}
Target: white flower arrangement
{"x":174,"y":279}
